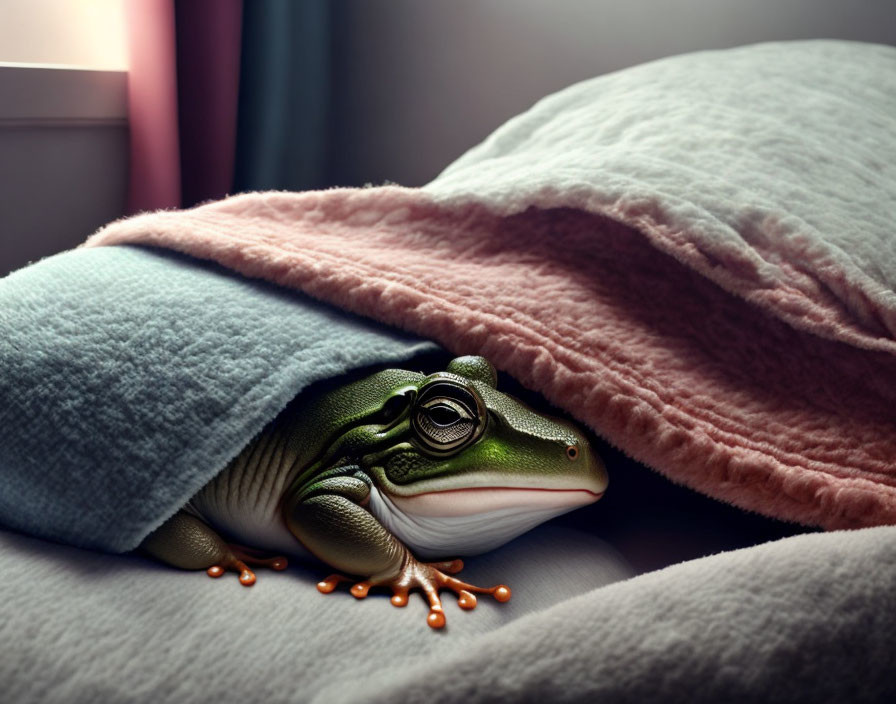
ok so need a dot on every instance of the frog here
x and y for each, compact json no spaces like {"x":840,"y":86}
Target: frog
{"x":387,"y":479}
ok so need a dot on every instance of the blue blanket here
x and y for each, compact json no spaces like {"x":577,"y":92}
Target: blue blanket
{"x":129,"y":377}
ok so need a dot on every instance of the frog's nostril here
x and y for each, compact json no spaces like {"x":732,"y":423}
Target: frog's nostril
{"x":572,"y":452}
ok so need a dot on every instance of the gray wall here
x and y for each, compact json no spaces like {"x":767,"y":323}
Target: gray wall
{"x":417,"y":82}
{"x":63,"y":158}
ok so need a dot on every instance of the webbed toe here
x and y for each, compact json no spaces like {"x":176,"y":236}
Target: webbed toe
{"x":431,"y":578}
{"x":238,"y":559}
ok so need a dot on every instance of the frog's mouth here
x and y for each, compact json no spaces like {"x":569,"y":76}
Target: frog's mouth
{"x":469,"y":521}
{"x":475,"y":500}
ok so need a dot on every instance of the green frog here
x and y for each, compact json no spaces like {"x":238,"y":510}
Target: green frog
{"x":385,"y":477}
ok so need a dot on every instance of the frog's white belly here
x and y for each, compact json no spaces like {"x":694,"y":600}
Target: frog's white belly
{"x":263,"y":530}
{"x":243,"y":506}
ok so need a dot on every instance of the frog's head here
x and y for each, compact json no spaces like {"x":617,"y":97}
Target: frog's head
{"x":459,"y":467}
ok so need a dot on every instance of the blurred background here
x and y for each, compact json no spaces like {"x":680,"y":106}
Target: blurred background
{"x":109,"y":107}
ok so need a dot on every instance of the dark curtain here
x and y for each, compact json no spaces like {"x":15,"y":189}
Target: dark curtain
{"x":284,"y":95}
{"x":227,"y":96}
{"x":208,"y":62}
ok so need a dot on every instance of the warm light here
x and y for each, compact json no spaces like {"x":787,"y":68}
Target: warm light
{"x":72,"y":33}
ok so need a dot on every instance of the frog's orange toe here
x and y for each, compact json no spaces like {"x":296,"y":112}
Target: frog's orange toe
{"x":436,"y":618}
{"x":360,"y":590}
{"x":466,"y":600}
{"x":327,"y":585}
{"x":430,"y":578}
{"x":249,"y":556}
{"x":502,"y":593}
{"x":238,"y":559}
{"x":247,"y":576}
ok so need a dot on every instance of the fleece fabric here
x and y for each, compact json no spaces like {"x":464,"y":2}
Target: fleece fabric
{"x":806,"y":619}
{"x":695,"y":257}
{"x":130,"y":377}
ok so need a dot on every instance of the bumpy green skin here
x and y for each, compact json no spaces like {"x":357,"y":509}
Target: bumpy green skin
{"x":406,"y":434}
{"x":324,"y":507}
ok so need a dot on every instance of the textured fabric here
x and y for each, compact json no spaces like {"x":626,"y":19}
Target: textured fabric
{"x":807,"y":619}
{"x":129,"y":378}
{"x":695,"y":257}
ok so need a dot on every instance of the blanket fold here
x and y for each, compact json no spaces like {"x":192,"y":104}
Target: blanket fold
{"x":806,"y":619}
{"x":695,"y":257}
{"x":780,"y":622}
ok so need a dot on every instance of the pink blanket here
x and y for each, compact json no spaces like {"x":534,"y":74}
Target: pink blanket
{"x":694,"y":257}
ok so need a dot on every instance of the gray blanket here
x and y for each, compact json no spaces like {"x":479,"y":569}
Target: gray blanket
{"x":805,"y":619}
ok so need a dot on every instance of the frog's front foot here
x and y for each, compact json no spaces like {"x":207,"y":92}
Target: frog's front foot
{"x":431,"y":577}
{"x":238,"y":559}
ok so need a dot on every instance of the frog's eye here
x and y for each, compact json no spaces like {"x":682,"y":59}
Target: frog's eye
{"x":446,"y":413}
{"x":447,"y":417}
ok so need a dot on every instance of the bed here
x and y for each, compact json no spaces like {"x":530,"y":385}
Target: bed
{"x":694,"y":258}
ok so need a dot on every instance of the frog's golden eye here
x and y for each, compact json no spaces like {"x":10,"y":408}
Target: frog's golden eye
{"x":447,"y":417}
